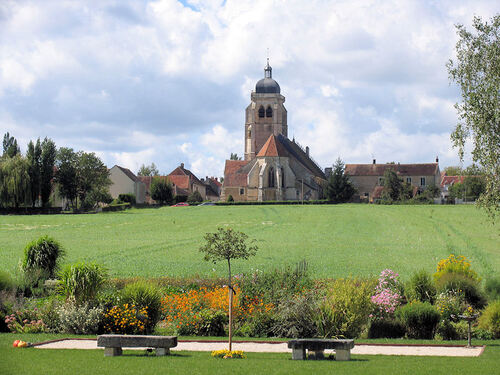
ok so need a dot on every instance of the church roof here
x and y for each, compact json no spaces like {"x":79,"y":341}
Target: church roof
{"x":234,"y":173}
{"x":423,"y":169}
{"x":267,"y":85}
{"x":300,"y":155}
{"x":272,"y":147}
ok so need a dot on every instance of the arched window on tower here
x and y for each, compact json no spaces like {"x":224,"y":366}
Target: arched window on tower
{"x":282,"y":178}
{"x":269,"y":111}
{"x":271,"y":177}
{"x":261,"y":111}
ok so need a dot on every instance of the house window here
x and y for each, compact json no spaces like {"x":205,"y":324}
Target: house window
{"x":271,"y":177}
{"x":422,"y":181}
{"x":380,"y":181}
{"x":366,"y":195}
{"x":408,"y":180}
{"x":242,"y":191}
{"x":282,"y":177}
{"x":269,"y":111}
{"x":262,"y":112}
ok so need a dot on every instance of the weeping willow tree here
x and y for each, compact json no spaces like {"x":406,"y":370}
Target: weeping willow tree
{"x":14,"y":181}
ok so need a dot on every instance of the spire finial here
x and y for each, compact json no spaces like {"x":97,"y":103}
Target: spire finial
{"x":268,"y":70}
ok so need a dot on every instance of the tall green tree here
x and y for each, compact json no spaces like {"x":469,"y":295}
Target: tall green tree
{"x":48,"y":160}
{"x":476,"y":71}
{"x":14,"y":181}
{"x":34,"y":156}
{"x":10,"y":147}
{"x":161,"y":190}
{"x":234,"y":157}
{"x":92,"y":176}
{"x":226,"y":245}
{"x":394,"y":187}
{"x":339,"y":189}
{"x":148,"y":170}
{"x":66,"y":175}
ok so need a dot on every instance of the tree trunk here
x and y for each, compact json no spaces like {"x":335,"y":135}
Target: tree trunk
{"x":230,"y":307}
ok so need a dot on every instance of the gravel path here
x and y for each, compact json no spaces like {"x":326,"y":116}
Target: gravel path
{"x":419,"y":350}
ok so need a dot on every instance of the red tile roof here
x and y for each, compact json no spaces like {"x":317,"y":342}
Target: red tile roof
{"x":232,"y":176}
{"x":272,"y":148}
{"x":424,"y":169}
{"x":181,"y":171}
{"x":180,"y":181}
{"x":450,"y":180}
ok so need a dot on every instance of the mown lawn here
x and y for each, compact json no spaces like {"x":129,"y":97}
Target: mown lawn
{"x":336,"y":240}
{"x":36,"y":361}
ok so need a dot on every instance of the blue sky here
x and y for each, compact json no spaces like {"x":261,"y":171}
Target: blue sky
{"x":168,"y":81}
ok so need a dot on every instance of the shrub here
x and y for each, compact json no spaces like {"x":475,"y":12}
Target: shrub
{"x":25,"y":321}
{"x":194,"y":197}
{"x":127,"y":198}
{"x":259,"y":324}
{"x":43,"y":253}
{"x":49,"y":313}
{"x":6,"y":282}
{"x":470,"y":288}
{"x":296,"y":316}
{"x":80,"y":319}
{"x":387,"y":295}
{"x":419,"y":318}
{"x":388,"y":328}
{"x":228,"y":354}
{"x":211,"y":323}
{"x":230,"y":198}
{"x":126,"y":319}
{"x":490,"y":319}
{"x":450,"y":304}
{"x":492,"y":288}
{"x":144,"y":295}
{"x":345,"y":309}
{"x":421,"y":288}
{"x":456,"y":265}
{"x":449,"y":330}
{"x":82,"y":281}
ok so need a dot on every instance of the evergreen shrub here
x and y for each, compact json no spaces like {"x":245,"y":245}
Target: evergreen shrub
{"x":471,"y":288}
{"x":43,"y":253}
{"x":492,"y":288}
{"x":420,"y":319}
{"x":421,"y":287}
{"x":127,"y":198}
{"x":389,"y":328}
{"x":490,"y":319}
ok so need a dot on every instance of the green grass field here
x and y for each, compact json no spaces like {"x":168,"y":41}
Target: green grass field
{"x":336,"y":240}
{"x":67,"y":361}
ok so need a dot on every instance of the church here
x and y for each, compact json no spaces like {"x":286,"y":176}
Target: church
{"x":275,"y":168}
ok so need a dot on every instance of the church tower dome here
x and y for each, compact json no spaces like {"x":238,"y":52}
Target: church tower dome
{"x":267,"y":85}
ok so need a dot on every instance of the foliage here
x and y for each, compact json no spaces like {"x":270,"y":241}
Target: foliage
{"x":477,"y":73}
{"x":234,"y":157}
{"x":10,"y":147}
{"x":387,"y":328}
{"x":230,"y":198}
{"x":80,"y":319}
{"x":419,"y":318}
{"x":470,"y":288}
{"x":194,"y":197}
{"x":344,"y":311}
{"x":92,"y":176}
{"x":144,"y":294}
{"x":225,"y":354}
{"x":339,"y":189}
{"x":14,"y":181}
{"x":470,"y":189}
{"x":95,"y":197}
{"x":450,"y":304}
{"x":34,"y":155}
{"x":148,"y":170}
{"x":48,"y":160}
{"x":82,"y":281}
{"x":43,"y":253}
{"x":161,"y":190}
{"x":259,"y":324}
{"x":127,"y":198}
{"x":492,"y":288}
{"x":454,"y":264}
{"x":490,"y":319}
{"x":6,"y":282}
{"x":387,"y":295}
{"x":297,"y":316}
{"x":421,"y":288}
{"x":25,"y":322}
{"x":66,"y":175}
{"x":432,"y":191}
{"x":126,"y":319}
{"x":394,"y":187}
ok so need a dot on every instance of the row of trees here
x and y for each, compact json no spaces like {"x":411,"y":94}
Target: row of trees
{"x":81,"y":178}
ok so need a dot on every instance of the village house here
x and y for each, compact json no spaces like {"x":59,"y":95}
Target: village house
{"x":368,"y":179}
{"x":126,"y":182}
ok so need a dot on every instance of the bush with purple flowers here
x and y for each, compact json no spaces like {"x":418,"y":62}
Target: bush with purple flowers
{"x":387,"y":295}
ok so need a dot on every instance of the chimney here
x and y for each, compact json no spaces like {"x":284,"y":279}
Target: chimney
{"x":437,"y":159}
{"x":307,"y":150}
{"x":374,"y":161}
{"x":182,"y":165}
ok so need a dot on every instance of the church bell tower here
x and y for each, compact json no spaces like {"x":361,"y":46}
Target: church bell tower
{"x":265,"y":115}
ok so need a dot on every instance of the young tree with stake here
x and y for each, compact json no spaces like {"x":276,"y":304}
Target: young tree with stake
{"x":224,"y":245}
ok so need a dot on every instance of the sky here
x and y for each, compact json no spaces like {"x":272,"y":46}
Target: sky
{"x":168,"y":81}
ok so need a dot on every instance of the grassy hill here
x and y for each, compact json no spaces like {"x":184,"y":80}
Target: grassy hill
{"x":336,"y":240}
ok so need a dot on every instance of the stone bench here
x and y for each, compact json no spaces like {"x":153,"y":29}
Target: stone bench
{"x":113,"y":344}
{"x":342,"y":348}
